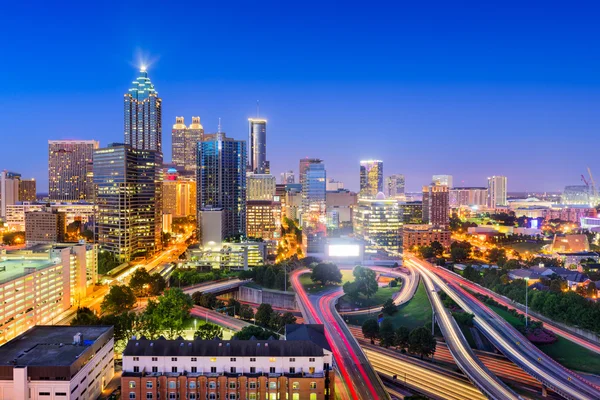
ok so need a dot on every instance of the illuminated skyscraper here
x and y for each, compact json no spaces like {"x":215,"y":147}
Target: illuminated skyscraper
{"x":378,"y":221}
{"x":257,"y":146}
{"x":314,"y":189}
{"x":27,"y":190}
{"x":9,"y":190}
{"x":70,"y":171}
{"x":395,"y":186}
{"x":260,"y":187}
{"x":221,"y":180}
{"x":497,"y":191}
{"x":371,"y":178}
{"x":436,"y":205}
{"x":185,"y":144}
{"x":304,"y":163}
{"x":143,"y":115}
{"x":443,"y":180}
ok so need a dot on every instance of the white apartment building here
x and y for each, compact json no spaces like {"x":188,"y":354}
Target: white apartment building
{"x":15,"y":213}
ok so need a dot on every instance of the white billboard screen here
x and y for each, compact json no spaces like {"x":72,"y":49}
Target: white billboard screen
{"x":344,"y":250}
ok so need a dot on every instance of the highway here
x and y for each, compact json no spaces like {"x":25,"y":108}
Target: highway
{"x":359,"y":378}
{"x":511,"y":342}
{"x":212,"y":287}
{"x":464,"y":357}
{"x":219,"y":319}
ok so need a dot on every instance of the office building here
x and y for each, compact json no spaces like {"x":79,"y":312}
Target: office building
{"x":82,"y":212}
{"x":339,"y":207}
{"x":185,"y":144}
{"x":70,"y":170}
{"x":287,"y":177}
{"x":473,"y":197}
{"x":257,"y":146}
{"x":227,"y":369}
{"x":445,"y":180}
{"x":333,"y":185}
{"x":378,"y":222}
{"x":314,"y":194}
{"x":576,"y":195}
{"x":293,"y":204}
{"x":371,"y":178}
{"x":179,"y":197}
{"x":413,"y":212}
{"x":395,"y":186}
{"x":436,"y":205}
{"x":57,"y":362}
{"x":260,"y":187}
{"x":45,"y":226}
{"x":227,"y":255}
{"x":263,"y":219}
{"x":27,"y":190}
{"x":497,"y":191}
{"x":129,"y":201}
{"x":304,"y":164}
{"x":221,"y":180}
{"x":9,"y":190}
{"x":143,"y":115}
{"x":423,"y":235}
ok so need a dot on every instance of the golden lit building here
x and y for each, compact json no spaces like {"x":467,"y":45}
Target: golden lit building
{"x":371,"y":178}
{"x":378,"y":222}
{"x":263,"y":219}
{"x":27,"y":190}
{"x":424,"y":235}
{"x":179,"y":197}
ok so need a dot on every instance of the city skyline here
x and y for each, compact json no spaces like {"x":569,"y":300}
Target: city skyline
{"x":498,"y":92}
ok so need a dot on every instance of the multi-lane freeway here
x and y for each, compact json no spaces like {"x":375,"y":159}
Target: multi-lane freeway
{"x":511,"y":342}
{"x":360,"y":380}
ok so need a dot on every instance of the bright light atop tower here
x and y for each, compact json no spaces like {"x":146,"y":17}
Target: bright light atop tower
{"x":143,"y":68}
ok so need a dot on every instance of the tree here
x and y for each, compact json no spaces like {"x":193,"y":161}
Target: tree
{"x":13,"y":238}
{"x":401,"y":337}
{"x":253,"y":331}
{"x":326,"y":273}
{"x":125,"y":326}
{"x":140,"y":282}
{"x":120,"y":298}
{"x":421,"y":342}
{"x":157,"y":284}
{"x":366,"y":281}
{"x":208,"y":332}
{"x":263,"y":314}
{"x":389,"y":307}
{"x":246,"y":312}
{"x":471,"y":274}
{"x":85,"y":316}
{"x":106,"y":262}
{"x":386,"y":333}
{"x":170,"y":312}
{"x":269,"y":279}
{"x":206,"y":300}
{"x":426,"y":252}
{"x":437,"y":248}
{"x":512,"y":264}
{"x":459,"y":254}
{"x":287,"y":318}
{"x":235,"y":307}
{"x":351,"y":289}
{"x":370,"y":329}
{"x":591,"y":289}
{"x":496,"y":254}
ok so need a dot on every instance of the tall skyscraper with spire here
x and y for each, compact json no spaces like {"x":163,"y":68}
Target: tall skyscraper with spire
{"x":257,"y":146}
{"x":143,"y":115}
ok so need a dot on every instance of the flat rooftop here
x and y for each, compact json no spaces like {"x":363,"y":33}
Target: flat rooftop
{"x":49,"y":345}
{"x":14,"y":268}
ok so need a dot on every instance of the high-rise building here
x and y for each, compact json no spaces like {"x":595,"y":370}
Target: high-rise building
{"x":263,"y":219}
{"x":497,"y":191}
{"x":378,"y":222}
{"x":27,"y":190}
{"x":221,"y":180}
{"x":46,"y":226}
{"x":260,"y":187}
{"x":304,"y":163}
{"x":468,"y":197}
{"x":257,"y":146}
{"x":445,"y":180}
{"x":287,"y":177}
{"x":179,"y":197}
{"x":371,"y":178}
{"x":143,"y":115}
{"x":185,"y":144}
{"x":340,"y":205}
{"x":436,"y":205}
{"x":413,"y":212}
{"x":314,"y":194}
{"x":9,"y":190}
{"x":129,"y":200}
{"x":395,"y":186}
{"x":70,"y":170}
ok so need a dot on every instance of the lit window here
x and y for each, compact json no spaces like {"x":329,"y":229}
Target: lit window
{"x":272,"y":359}
{"x":131,"y":384}
{"x":296,"y":385}
{"x":313,"y":385}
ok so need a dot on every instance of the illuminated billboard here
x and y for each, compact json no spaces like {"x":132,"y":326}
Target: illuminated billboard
{"x":343,"y":250}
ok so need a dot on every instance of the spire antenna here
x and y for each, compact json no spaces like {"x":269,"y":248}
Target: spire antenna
{"x":257,"y":108}
{"x":219,"y":129}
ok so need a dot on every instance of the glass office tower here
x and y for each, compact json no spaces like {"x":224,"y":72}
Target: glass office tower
{"x":257,"y":146}
{"x":143,"y":115}
{"x":371,"y":178}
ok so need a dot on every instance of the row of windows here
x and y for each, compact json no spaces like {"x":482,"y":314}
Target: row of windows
{"x":231,"y":385}
{"x":213,"y":396}
{"x":233,"y":370}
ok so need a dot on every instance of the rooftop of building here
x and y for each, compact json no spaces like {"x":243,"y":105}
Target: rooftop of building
{"x":49,"y":345}
{"x":580,"y":254}
{"x":15,"y":268}
{"x":307,"y":332}
{"x":222,"y":348}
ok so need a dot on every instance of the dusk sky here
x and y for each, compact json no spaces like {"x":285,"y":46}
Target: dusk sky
{"x":461,"y":88}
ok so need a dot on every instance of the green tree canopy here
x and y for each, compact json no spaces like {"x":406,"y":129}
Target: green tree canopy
{"x":120,"y":298}
{"x":263,"y":314}
{"x":421,"y":342}
{"x":208,"y":332}
{"x":370,"y":329}
{"x":366,"y":281}
{"x":170,"y":312}
{"x":326,"y":273}
{"x":249,"y":331}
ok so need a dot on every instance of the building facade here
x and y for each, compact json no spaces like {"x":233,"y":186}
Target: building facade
{"x":263,"y":219}
{"x":304,"y":163}
{"x":260,"y":187}
{"x":395,"y":186}
{"x":371,"y":178}
{"x":497,"y":191}
{"x":9,"y":190}
{"x":340,"y":206}
{"x":45,"y":226}
{"x":576,"y":195}
{"x":424,"y":235}
{"x":221,"y":180}
{"x":27,"y":190}
{"x":185,"y":144}
{"x":234,"y":369}
{"x":70,"y":170}
{"x":143,"y":115}
{"x":445,"y":180}
{"x":314,"y":194}
{"x":83,"y":212}
{"x":58,"y":362}
{"x":436,"y":205}
{"x":378,"y":222}
{"x":179,"y":197}
{"x":287,"y":177}
{"x":413,"y":212}
{"x":129,"y":201}
{"x":257,"y":146}
{"x":468,"y":197}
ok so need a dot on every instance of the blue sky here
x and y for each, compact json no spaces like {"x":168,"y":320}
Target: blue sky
{"x":464,"y":88}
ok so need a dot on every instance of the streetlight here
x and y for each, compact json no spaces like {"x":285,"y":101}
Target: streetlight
{"x":526,"y":309}
{"x":195,"y":325}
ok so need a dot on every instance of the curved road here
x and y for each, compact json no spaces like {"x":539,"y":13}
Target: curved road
{"x":511,"y":342}
{"x":359,"y":378}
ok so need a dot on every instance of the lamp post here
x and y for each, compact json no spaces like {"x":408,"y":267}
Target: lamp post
{"x":526,"y":302}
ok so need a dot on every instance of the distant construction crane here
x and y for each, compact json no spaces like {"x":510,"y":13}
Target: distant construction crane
{"x":594,"y":194}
